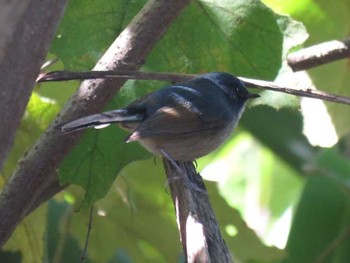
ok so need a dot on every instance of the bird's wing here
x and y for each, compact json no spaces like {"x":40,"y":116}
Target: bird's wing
{"x":174,"y":121}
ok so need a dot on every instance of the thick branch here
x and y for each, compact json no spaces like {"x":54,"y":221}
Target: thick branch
{"x":172,"y":77}
{"x":319,"y":54}
{"x":49,"y":190}
{"x":199,"y":231}
{"x":26,"y":30}
{"x":37,"y":167}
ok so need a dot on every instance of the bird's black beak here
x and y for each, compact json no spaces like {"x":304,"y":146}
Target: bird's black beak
{"x":253,"y":95}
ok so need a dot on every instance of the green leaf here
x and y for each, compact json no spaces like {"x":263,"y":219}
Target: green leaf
{"x":318,"y":221}
{"x":217,"y":36}
{"x":97,"y":160}
{"x":88,"y":28}
{"x":333,"y":163}
{"x":38,"y":115}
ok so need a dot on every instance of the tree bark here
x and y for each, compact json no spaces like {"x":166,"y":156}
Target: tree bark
{"x":319,"y":54}
{"x":26,"y":30}
{"x":38,"y":166}
{"x":199,"y":230}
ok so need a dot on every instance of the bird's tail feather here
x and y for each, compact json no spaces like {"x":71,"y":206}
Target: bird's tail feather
{"x":102,"y":120}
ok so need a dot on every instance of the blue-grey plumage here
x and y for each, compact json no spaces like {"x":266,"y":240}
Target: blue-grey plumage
{"x":186,"y":121}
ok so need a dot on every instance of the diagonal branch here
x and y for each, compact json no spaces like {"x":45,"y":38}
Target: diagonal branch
{"x":37,"y":167}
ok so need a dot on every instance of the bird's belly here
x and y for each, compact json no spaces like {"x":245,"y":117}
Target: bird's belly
{"x":187,"y":147}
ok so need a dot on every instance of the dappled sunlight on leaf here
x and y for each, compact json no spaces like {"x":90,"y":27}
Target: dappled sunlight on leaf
{"x":255,"y":182}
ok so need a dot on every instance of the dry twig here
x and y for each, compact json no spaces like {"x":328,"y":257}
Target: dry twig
{"x":173,"y":77}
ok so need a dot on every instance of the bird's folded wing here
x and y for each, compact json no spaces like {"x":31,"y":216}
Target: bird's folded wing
{"x":174,"y":121}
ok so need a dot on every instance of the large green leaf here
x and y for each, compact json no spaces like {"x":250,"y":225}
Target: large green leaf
{"x":88,"y":28}
{"x":321,"y":225}
{"x":218,"y":36}
{"x":322,"y":211}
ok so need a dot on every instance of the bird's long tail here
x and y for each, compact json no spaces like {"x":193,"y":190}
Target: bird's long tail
{"x":102,"y":120}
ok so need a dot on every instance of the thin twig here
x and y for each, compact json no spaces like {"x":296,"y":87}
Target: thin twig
{"x":319,"y":54}
{"x":310,"y":93}
{"x":333,"y":246}
{"x":83,"y":256}
{"x":172,"y":77}
{"x":127,"y":74}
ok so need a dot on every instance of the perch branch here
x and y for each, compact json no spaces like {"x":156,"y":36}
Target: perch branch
{"x":199,"y":231}
{"x":172,"y":77}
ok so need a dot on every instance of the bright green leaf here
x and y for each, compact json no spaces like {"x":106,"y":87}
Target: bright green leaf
{"x":38,"y":115}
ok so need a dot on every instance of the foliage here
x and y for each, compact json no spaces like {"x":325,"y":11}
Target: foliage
{"x":269,"y":178}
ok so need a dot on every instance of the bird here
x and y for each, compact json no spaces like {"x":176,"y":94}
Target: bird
{"x":181,"y":122}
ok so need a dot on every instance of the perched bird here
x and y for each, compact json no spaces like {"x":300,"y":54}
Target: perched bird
{"x":181,"y":122}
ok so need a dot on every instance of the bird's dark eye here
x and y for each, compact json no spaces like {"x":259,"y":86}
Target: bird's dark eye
{"x":241,"y":93}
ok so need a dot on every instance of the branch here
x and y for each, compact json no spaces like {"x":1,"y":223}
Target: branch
{"x":26,"y":30}
{"x":309,"y":93}
{"x":36,"y":168}
{"x":319,"y":54}
{"x":49,"y":190}
{"x":199,"y":231}
{"x":63,"y":75}
{"x":172,"y":77}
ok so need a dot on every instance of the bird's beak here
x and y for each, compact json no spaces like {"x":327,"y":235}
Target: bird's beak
{"x":253,"y":95}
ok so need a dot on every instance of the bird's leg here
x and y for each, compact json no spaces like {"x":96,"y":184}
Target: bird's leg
{"x":180,"y":171}
{"x":182,"y":174}
{"x":173,"y":162}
